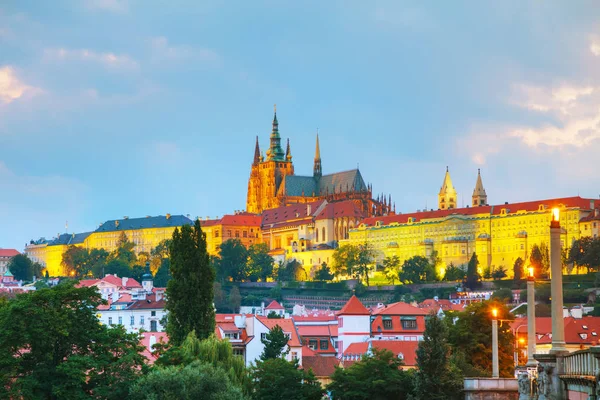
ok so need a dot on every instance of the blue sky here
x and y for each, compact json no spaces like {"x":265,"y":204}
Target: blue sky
{"x":138,"y":107}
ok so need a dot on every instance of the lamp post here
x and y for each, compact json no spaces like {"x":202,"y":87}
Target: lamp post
{"x":495,"y":366}
{"x":531,"y":339}
{"x":556,"y":290}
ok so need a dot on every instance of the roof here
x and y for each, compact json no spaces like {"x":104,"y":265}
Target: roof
{"x":289,"y":214}
{"x":160,"y":221}
{"x":8,"y":252}
{"x":308,"y":186}
{"x":578,"y":331}
{"x":346,"y":208}
{"x":357,"y":348}
{"x":354,"y":307}
{"x":295,"y":186}
{"x":274,"y":305}
{"x":111,"y":279}
{"x":149,"y":304}
{"x":320,"y":365}
{"x":529,"y":206}
{"x":313,"y":330}
{"x":70,"y":238}
{"x":408,"y":349}
{"x":242,"y":219}
{"x":399,"y":308}
{"x":147,"y":338}
{"x":287,"y":325}
{"x":8,"y":273}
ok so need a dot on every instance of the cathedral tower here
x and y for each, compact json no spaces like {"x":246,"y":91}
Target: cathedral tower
{"x":317,"y":172}
{"x":266,"y":175}
{"x":479,"y":195}
{"x":447,"y":195}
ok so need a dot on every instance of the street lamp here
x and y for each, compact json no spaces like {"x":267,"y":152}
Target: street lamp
{"x":495,"y":366}
{"x":531,"y":340}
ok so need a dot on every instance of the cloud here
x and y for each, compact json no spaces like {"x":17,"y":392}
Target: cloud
{"x":115,"y":6}
{"x":12,"y":88}
{"x":595,"y":46}
{"x":162,"y":51}
{"x":108,"y":60}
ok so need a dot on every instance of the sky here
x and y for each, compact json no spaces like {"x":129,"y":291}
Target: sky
{"x":112,"y":108}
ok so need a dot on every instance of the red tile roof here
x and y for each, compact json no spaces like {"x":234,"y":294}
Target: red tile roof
{"x":354,"y":307}
{"x":357,"y":348}
{"x":569,"y":202}
{"x":243,"y":219}
{"x":149,"y":304}
{"x":583,"y":331}
{"x":8,"y":252}
{"x":313,"y":330}
{"x":113,"y":280}
{"x":274,"y":305}
{"x":346,"y":208}
{"x":406,"y":348}
{"x":399,"y":308}
{"x":287,"y":325}
{"x":321,"y":366}
{"x":160,"y":337}
{"x":289,"y":214}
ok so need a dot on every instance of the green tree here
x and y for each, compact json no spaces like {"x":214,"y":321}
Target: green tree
{"x":471,"y":335}
{"x":585,"y":252}
{"x":417,"y":269}
{"x":323,"y":273}
{"x":235,"y":299}
{"x":76,"y":262}
{"x":344,"y":260}
{"x":158,"y":254}
{"x":276,"y":379}
{"x":68,"y":354}
{"x":194,"y":381}
{"x":232,"y":261}
{"x":499,"y":273}
{"x":376,"y":376}
{"x":219,"y":297}
{"x":275,"y":343}
{"x":504,"y":295}
{"x":190,"y":290}
{"x":291,"y":270}
{"x":540,"y":259}
{"x":473,"y":278}
{"x":391,"y":268}
{"x":436,"y":262}
{"x":454,"y":273}
{"x":23,"y":269}
{"x":124,"y":251}
{"x":274,"y":315}
{"x":518,"y":269}
{"x":259,"y":264}
{"x":436,"y":377}
{"x":114,"y":267}
{"x":163,"y":275}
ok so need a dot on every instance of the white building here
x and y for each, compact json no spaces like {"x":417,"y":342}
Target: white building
{"x":5,"y":256}
{"x":354,"y":324}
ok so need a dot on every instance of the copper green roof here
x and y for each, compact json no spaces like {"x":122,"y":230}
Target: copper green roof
{"x":70,"y":238}
{"x":340,"y":182}
{"x":160,"y":221}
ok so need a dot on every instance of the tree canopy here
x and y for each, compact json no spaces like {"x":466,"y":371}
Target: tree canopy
{"x":473,"y":278}
{"x":417,"y":269}
{"x":23,"y":269}
{"x":52,"y":347}
{"x":190,"y":290}
{"x":276,"y":379}
{"x":275,"y":343}
{"x":354,"y":260}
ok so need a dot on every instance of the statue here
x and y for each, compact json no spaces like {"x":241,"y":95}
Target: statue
{"x":524,"y":386}
{"x":544,"y":382}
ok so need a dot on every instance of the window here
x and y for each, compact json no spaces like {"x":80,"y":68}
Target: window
{"x":409,"y":323}
{"x":216,"y":234}
{"x":312,"y":344}
{"x":387,"y":322}
{"x":263,"y":336}
{"x":294,"y":355}
{"x":141,"y":320}
{"x":110,"y":320}
{"x":233,"y":335}
{"x":324,"y":344}
{"x":120,"y":320}
{"x":132,"y":320}
{"x":245,"y":234}
{"x":229,"y":233}
{"x":153,"y":313}
{"x":153,"y":326}
{"x":237,"y":234}
{"x":238,"y":352}
{"x":323,"y":234}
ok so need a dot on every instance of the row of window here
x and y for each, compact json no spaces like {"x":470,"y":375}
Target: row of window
{"x":322,"y":343}
{"x":131,"y":319}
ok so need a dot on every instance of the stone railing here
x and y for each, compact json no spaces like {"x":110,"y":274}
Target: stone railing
{"x":582,"y":363}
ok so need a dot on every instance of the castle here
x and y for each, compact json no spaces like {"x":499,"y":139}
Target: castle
{"x":272,"y":182}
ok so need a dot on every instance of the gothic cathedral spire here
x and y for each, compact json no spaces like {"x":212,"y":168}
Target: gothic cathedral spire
{"x":256,"y":153}
{"x":479,"y":195}
{"x":317,"y":173}
{"x":447,"y":195}
{"x":288,"y":152}
{"x":275,"y":152}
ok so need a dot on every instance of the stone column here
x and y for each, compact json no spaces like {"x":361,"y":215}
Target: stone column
{"x":531,"y":338}
{"x":558,"y":324}
{"x":495,"y":365}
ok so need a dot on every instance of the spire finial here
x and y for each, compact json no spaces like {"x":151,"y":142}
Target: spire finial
{"x":275,"y":108}
{"x":446,"y":168}
{"x":288,"y":152}
{"x":256,"y":153}
{"x":479,"y":171}
{"x":317,"y":172}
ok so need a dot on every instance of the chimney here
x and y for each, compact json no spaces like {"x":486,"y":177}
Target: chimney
{"x":124,"y":281}
{"x":114,"y":296}
{"x":159,"y":295}
{"x":308,"y":209}
{"x":116,"y":223}
{"x":592,"y":204}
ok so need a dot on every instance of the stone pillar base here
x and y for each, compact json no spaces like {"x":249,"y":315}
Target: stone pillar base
{"x":550,"y":367}
{"x":491,"y":389}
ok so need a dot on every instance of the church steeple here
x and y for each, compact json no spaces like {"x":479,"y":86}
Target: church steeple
{"x":317,"y":173}
{"x":288,"y":152}
{"x":275,"y":152}
{"x":447,"y":195}
{"x":256,"y":153}
{"x":479,"y":196}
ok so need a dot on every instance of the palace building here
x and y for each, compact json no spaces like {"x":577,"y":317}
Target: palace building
{"x":273,"y":184}
{"x":498,"y":234}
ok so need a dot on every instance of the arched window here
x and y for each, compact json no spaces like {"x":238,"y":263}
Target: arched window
{"x":323,"y":237}
{"x":317,"y":234}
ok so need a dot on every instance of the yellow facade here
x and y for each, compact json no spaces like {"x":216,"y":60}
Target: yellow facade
{"x":242,"y":226}
{"x":498,"y":234}
{"x":144,"y":239}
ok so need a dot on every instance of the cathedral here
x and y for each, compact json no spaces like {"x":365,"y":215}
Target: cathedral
{"x":273,"y":183}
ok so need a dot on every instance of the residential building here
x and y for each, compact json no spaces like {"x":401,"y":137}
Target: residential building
{"x":404,"y":350}
{"x":241,"y":226}
{"x":5,"y":256}
{"x":321,"y":366}
{"x":354,"y":324}
{"x":399,"y":321}
{"x":273,"y":184}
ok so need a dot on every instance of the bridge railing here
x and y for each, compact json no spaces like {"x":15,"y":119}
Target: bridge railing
{"x":582,"y":362}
